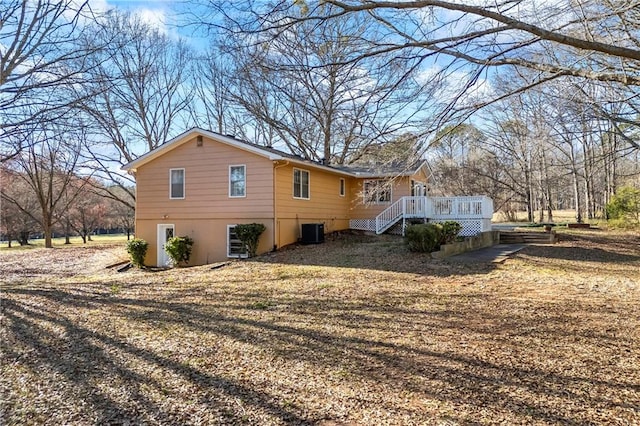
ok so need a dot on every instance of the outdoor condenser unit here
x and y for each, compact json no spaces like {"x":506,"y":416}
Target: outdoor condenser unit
{"x":312,"y":233}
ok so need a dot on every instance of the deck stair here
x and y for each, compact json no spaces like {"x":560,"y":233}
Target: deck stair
{"x":527,"y":237}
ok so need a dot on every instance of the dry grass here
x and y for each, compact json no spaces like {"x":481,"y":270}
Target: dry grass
{"x":355,"y":331}
{"x":559,"y":216}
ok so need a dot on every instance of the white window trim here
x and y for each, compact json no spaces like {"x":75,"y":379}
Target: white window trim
{"x":184,"y":184}
{"x":342,"y":187}
{"x":424,"y":185}
{"x":364,"y":193}
{"x":229,"y":255}
{"x":293,"y":181}
{"x":245,"y":180}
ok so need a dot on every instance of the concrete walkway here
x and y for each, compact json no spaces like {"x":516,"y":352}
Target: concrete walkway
{"x":494,"y":254}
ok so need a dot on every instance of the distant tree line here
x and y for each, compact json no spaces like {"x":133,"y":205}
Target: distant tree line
{"x":66,"y":206}
{"x":549,"y":148}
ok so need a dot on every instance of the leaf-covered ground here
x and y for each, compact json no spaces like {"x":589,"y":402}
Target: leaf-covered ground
{"x":355,"y":331}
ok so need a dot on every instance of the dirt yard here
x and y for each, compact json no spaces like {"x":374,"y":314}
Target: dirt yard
{"x":356,"y":331}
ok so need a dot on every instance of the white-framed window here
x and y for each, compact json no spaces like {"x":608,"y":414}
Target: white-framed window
{"x":301,"y":184}
{"x":235,"y":248}
{"x":176,"y":184}
{"x":237,"y":181}
{"x":342,"y":187}
{"x":376,"y":191}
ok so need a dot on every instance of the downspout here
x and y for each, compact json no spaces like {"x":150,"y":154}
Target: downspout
{"x":276,"y":226}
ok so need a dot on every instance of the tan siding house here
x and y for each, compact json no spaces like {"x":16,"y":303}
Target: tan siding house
{"x":200,"y":184}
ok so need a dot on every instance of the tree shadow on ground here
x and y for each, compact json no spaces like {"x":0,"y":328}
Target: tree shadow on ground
{"x":370,"y":252}
{"x":579,"y":254}
{"x":582,"y":253}
{"x":85,"y":357}
{"x":359,"y":337}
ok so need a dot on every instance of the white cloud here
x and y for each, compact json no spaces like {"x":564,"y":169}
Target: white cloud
{"x":155,"y":18}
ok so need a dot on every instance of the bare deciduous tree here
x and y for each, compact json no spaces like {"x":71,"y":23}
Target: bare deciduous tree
{"x":141,"y":81}
{"x":40,"y":58}
{"x":305,"y":86}
{"x":47,"y":167}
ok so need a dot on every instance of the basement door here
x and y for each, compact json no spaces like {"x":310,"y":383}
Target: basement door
{"x":165,"y":231}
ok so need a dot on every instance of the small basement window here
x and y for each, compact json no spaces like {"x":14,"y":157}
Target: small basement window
{"x":235,"y":248}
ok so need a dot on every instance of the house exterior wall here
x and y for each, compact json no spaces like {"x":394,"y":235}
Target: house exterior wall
{"x":325,"y":205}
{"x":401,"y":187}
{"x":206,"y":209}
{"x":209,"y":236}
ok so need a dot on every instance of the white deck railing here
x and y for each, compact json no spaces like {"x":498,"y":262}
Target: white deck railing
{"x":473,"y":213}
{"x":461,"y":207}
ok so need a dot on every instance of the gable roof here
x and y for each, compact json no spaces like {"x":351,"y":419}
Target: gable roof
{"x":273,"y":155}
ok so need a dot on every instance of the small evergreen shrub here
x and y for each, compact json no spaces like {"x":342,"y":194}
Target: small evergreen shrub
{"x":423,"y":238}
{"x":624,"y":207}
{"x":137,"y":249}
{"x":179,"y":249}
{"x":249,"y":234}
{"x":428,"y":237}
{"x":450,"y":230}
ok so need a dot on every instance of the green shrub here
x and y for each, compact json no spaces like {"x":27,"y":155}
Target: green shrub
{"x":625,"y":205}
{"x":179,"y":249}
{"x":622,"y":224}
{"x":450,"y":230}
{"x":137,"y":249}
{"x":424,"y":237}
{"x":249,"y":234}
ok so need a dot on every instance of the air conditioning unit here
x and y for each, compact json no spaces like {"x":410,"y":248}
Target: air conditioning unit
{"x":312,"y":233}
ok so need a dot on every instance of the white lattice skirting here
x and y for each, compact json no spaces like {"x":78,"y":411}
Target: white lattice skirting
{"x":363,"y":224}
{"x":470,"y":227}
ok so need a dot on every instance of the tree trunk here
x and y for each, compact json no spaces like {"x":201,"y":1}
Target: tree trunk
{"x":576,"y":194}
{"x":67,"y":231}
{"x":529,"y":193}
{"x":23,"y":238}
{"x":549,"y":204}
{"x":47,"y":234}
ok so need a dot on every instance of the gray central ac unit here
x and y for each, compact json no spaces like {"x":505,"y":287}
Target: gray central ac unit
{"x":312,"y":233}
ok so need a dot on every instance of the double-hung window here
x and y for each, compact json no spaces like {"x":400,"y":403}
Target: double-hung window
{"x":237,"y":181}
{"x":176,"y":183}
{"x":377,"y":191}
{"x":300,"y":184}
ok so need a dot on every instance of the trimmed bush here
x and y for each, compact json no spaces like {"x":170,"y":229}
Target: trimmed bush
{"x":450,"y":230}
{"x":428,"y":237}
{"x":137,"y":249}
{"x":179,"y":249}
{"x":424,"y":237}
{"x":249,"y":234}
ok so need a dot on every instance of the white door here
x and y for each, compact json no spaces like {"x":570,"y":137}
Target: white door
{"x":165,"y":232}
{"x":419,"y":207}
